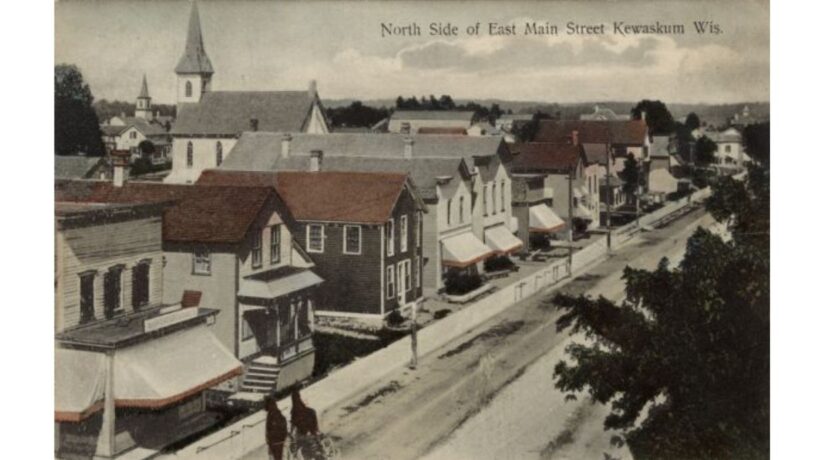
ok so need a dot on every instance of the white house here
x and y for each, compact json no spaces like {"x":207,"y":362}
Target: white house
{"x":410,"y":121}
{"x":730,"y":147}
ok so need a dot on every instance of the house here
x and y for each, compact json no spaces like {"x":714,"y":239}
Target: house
{"x":532,"y":202}
{"x":574,"y":186}
{"x":660,"y":181}
{"x":233,"y":247}
{"x":363,"y":230}
{"x":508,"y":122}
{"x":131,"y":370}
{"x":209,"y":122}
{"x":730,"y":147}
{"x":624,"y":137}
{"x":463,"y":180}
{"x":410,"y":121}
{"x":80,"y":167}
{"x":483,"y":128}
{"x":603,"y":114}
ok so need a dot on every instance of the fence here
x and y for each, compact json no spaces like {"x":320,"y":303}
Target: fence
{"x":247,"y":435}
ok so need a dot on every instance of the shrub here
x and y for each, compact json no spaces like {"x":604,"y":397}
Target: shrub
{"x":459,"y":283}
{"x":494,"y":264}
{"x":394,"y":318}
{"x":442,"y":313}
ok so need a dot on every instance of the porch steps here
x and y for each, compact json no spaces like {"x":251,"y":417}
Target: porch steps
{"x":261,"y":376}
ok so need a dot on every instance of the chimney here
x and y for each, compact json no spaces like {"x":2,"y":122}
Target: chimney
{"x":315,"y":160}
{"x":285,"y":143}
{"x":408,"y":142}
{"x":574,"y":137}
{"x":253,"y":124}
{"x":313,"y":88}
{"x":120,"y":167}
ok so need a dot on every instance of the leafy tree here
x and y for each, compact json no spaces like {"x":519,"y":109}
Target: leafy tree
{"x":659,"y":119}
{"x":356,"y":114}
{"x":692,"y":122}
{"x":76,"y":127}
{"x":525,"y":132}
{"x":757,"y":142}
{"x":690,"y":344}
{"x":146,"y":147}
{"x":631,"y":175}
{"x":705,"y":149}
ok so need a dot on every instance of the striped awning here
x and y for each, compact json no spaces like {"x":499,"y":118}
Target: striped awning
{"x":501,"y":240}
{"x":464,"y":250}
{"x":542,"y":219}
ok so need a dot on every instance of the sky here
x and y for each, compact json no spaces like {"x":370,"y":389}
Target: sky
{"x":260,"y":45}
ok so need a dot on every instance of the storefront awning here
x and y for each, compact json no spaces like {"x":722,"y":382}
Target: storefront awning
{"x":279,"y":282}
{"x":501,"y":240}
{"x":80,"y":381}
{"x":464,"y":250}
{"x":582,"y":212}
{"x":542,"y":219}
{"x":150,"y":374}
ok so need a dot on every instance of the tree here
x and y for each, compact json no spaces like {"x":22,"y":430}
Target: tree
{"x":356,"y":115}
{"x":76,"y":127}
{"x":658,"y":117}
{"x":757,"y":142}
{"x":146,"y":147}
{"x":705,"y":149}
{"x":525,"y":132}
{"x":692,"y":122}
{"x":631,"y":175}
{"x":689,"y":344}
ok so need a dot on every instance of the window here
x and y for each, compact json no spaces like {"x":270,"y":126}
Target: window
{"x":390,"y":237}
{"x":257,"y":250}
{"x":190,"y":154}
{"x":274,"y":244}
{"x":460,"y":210}
{"x":112,"y":291}
{"x":188,"y":88}
{"x":728,"y":148}
{"x":449,"y":211}
{"x":407,"y":275}
{"x":87,"y":296}
{"x":503,"y":196}
{"x":218,"y":153}
{"x":352,"y":239}
{"x":246,"y":329}
{"x":420,"y":229}
{"x":314,"y":238}
{"x":494,"y":200}
{"x":304,"y":324}
{"x":404,"y":233}
{"x":202,"y":262}
{"x":418,"y":264}
{"x":140,"y":284}
{"x":390,"y":281}
{"x":133,"y":135}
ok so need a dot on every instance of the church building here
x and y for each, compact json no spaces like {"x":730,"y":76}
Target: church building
{"x":210,"y":122}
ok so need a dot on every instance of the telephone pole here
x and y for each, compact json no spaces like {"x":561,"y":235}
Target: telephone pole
{"x":609,"y":195}
{"x":571,"y":197}
{"x":413,"y":363}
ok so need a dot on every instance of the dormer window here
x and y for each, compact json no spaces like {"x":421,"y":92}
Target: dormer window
{"x":190,"y":154}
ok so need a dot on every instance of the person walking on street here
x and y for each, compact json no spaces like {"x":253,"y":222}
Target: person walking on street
{"x":276,"y":428}
{"x":304,"y":418}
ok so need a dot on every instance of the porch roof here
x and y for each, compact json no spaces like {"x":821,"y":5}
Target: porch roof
{"x":275,"y":283}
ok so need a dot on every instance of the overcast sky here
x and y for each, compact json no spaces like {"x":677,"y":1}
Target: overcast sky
{"x":282,"y":45}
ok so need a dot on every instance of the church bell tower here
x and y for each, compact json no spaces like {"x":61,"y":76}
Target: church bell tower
{"x":143,"y":105}
{"x":194,"y":70}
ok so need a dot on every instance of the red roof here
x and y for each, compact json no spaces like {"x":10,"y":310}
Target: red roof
{"x":327,"y":196}
{"x":441,"y":130}
{"x":628,"y":132}
{"x":196,"y":214}
{"x":544,"y":156}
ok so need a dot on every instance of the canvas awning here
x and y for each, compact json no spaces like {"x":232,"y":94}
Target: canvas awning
{"x":501,"y":240}
{"x":277,"y":286}
{"x":464,"y":250}
{"x":542,"y":219}
{"x":151,"y":374}
{"x":582,"y":212}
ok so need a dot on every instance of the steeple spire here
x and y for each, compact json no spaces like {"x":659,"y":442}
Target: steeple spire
{"x":144,"y":89}
{"x":194,"y":59}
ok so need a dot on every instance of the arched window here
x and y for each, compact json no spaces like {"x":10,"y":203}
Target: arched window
{"x":190,"y":154}
{"x":461,"y":210}
{"x":494,"y":200}
{"x":503,"y":196}
{"x":218,"y":153}
{"x":449,"y":211}
{"x":188,"y":88}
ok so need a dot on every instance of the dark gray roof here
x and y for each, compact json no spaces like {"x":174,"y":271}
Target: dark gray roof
{"x":144,"y":88}
{"x":75,"y":167}
{"x":144,"y":126}
{"x":231,"y":112}
{"x":432,"y":115}
{"x":194,"y":59}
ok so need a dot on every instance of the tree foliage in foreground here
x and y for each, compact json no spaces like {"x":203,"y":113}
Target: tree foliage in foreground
{"x":684,"y":360}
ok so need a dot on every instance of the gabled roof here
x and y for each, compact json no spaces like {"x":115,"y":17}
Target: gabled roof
{"x":325,"y":196}
{"x":433,"y":115}
{"x":76,"y":167}
{"x":627,"y":132}
{"x":194,"y":59}
{"x":200,"y":214}
{"x":546,"y":157}
{"x":144,"y":126}
{"x":596,"y":153}
{"x":231,"y":112}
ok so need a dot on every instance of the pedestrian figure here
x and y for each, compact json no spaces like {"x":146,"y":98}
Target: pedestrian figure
{"x":304,"y":418}
{"x":276,"y":428}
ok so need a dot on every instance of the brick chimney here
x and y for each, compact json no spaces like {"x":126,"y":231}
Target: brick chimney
{"x":120,"y":167}
{"x":315,"y":160}
{"x":285,"y":144}
{"x":253,"y":124}
{"x":574,"y":137}
{"x":408,"y":142}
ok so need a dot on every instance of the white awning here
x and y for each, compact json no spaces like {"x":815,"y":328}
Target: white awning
{"x":277,"y":285}
{"x":501,"y":240}
{"x":582,"y":212}
{"x":167,"y":369}
{"x":464,"y":250}
{"x":544,"y":220}
{"x":80,"y":381}
{"x":579,"y":192}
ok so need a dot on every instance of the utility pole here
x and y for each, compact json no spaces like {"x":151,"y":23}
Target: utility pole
{"x":413,"y":363}
{"x":609,"y":195}
{"x":571,"y":197}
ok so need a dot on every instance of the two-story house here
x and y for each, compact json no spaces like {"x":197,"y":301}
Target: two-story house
{"x":363,"y":230}
{"x":232,"y":248}
{"x":464,"y":182}
{"x":130,"y":369}
{"x":532,"y":202}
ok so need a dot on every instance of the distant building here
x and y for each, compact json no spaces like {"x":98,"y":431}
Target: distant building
{"x":483,"y":128}
{"x":660,"y":181}
{"x":410,"y":121}
{"x":730,"y":147}
{"x":604,"y":114}
{"x":746,"y":118}
{"x":209,"y":122}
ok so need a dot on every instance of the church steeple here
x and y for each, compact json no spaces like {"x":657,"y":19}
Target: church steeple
{"x":143,"y":106}
{"x":194,"y":70}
